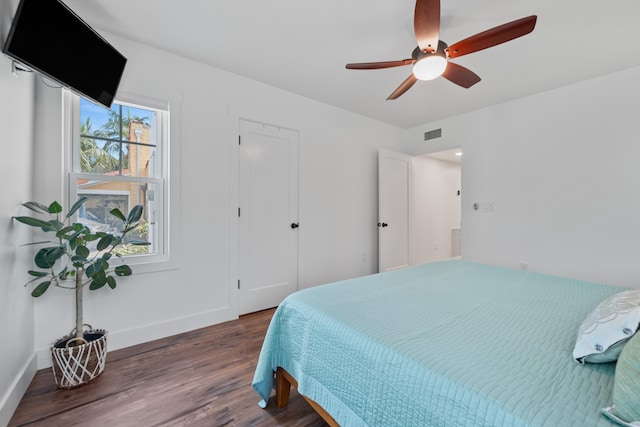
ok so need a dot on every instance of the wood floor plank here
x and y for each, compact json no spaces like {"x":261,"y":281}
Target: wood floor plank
{"x":201,"y":378}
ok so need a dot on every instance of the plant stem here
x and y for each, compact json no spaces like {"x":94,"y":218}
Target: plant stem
{"x":79,"y":289}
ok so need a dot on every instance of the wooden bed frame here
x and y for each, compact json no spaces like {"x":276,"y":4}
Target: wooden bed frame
{"x":284,"y":381}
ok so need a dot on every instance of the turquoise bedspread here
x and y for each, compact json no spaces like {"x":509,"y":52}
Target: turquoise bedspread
{"x":451,"y":343}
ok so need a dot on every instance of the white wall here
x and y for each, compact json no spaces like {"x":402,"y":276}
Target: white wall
{"x":435,"y":209}
{"x":338,"y":198}
{"x":17,"y":362}
{"x":561,"y":169}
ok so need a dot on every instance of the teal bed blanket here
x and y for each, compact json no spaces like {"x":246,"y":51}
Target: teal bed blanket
{"x":450,"y":343}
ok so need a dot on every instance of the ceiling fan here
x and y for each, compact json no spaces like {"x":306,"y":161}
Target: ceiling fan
{"x":431,"y":58}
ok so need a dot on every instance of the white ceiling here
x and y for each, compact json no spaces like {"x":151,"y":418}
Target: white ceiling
{"x":303,"y":46}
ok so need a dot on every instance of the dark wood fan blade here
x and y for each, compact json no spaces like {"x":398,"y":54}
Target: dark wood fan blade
{"x":377,"y":65}
{"x":404,"y":86}
{"x":460,"y":75}
{"x":494,"y":36}
{"x":426,"y":24}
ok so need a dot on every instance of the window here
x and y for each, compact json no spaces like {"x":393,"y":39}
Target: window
{"x":119,"y":161}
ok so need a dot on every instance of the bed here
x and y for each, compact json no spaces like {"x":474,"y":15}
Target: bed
{"x":450,"y":343}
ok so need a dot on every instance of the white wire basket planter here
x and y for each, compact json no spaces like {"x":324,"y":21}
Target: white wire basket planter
{"x":76,"y":363}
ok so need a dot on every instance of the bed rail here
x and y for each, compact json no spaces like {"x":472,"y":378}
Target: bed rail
{"x":284,"y":381}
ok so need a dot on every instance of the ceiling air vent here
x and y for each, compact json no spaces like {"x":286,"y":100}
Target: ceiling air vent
{"x":432,"y":134}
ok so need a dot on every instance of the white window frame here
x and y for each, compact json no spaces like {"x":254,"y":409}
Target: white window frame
{"x":145,"y":263}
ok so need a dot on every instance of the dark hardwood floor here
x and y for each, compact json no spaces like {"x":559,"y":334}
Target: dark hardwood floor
{"x":200,"y":378}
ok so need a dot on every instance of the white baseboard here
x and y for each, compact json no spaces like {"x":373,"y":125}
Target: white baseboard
{"x":12,"y":397}
{"x":126,"y":338}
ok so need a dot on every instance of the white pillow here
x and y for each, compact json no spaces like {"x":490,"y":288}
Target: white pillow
{"x":607,"y":328}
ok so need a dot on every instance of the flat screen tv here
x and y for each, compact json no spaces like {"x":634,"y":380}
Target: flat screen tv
{"x":49,"y":38}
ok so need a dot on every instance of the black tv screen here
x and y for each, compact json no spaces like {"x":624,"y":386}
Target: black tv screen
{"x":49,"y":38}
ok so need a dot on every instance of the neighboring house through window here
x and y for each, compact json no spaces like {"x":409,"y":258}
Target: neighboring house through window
{"x":119,"y":161}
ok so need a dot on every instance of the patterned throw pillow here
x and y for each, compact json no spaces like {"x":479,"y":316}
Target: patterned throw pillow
{"x":607,"y":328}
{"x":625,"y":409}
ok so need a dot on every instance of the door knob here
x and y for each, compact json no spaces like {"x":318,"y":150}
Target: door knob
{"x":295,"y":225}
{"x":382,"y":224}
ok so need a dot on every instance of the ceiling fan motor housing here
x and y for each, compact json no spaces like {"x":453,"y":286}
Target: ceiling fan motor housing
{"x":417,"y":54}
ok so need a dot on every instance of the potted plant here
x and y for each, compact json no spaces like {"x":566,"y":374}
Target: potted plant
{"x":75,"y":258}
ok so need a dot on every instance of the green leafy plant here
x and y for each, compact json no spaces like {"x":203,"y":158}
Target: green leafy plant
{"x":70,"y":260}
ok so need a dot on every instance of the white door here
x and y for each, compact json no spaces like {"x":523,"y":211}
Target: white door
{"x":268,"y":216}
{"x":394,"y":172}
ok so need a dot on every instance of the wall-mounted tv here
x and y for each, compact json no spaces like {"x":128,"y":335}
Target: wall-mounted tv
{"x":49,"y":38}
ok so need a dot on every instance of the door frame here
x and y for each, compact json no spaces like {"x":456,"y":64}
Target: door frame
{"x":236,"y":114}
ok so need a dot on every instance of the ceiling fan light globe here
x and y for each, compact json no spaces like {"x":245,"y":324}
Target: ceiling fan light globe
{"x":430,"y":67}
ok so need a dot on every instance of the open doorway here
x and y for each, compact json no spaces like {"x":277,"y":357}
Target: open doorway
{"x":419,"y":208}
{"x":436,"y":206}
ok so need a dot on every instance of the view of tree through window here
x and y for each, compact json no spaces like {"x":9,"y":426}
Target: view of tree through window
{"x":116,"y":168}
